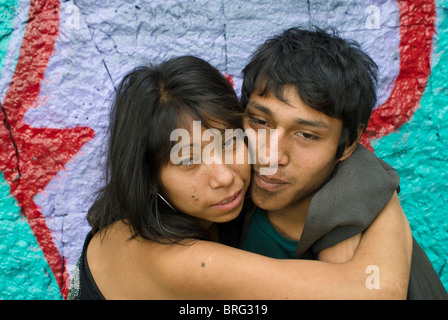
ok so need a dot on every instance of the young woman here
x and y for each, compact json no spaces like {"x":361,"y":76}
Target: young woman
{"x":159,"y":224}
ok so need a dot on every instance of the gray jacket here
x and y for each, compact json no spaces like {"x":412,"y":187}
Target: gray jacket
{"x":358,"y":190}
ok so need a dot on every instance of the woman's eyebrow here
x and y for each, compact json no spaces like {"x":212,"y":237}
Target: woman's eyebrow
{"x":186,"y":145}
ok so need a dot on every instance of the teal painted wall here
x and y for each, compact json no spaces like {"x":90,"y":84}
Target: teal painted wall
{"x":24,"y":272}
{"x":8,"y":11}
{"x":419,"y":153}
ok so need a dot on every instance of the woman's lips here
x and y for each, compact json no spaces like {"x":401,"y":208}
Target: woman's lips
{"x":231,"y":202}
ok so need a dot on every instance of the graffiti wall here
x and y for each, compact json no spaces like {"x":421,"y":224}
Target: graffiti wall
{"x":60,"y":62}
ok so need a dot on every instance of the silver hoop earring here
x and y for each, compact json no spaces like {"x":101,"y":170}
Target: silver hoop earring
{"x":169,"y":205}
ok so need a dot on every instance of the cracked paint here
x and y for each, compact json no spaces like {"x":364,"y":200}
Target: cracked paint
{"x":57,"y":82}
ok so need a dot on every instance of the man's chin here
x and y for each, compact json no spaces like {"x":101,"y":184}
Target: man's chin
{"x":267,"y":200}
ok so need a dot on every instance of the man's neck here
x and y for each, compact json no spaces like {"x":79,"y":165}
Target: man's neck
{"x":290,"y":221}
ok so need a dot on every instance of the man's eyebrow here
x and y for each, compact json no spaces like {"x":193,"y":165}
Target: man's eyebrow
{"x":299,"y":121}
{"x":312,"y":123}
{"x":259,"y":107}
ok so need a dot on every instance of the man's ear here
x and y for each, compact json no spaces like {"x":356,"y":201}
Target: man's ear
{"x":352,"y":147}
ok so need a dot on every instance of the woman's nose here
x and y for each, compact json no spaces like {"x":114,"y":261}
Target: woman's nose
{"x":221,"y":175}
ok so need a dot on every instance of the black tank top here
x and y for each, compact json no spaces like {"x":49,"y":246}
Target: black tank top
{"x":83,"y":286}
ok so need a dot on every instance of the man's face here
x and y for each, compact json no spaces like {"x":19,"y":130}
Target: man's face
{"x":307,"y":143}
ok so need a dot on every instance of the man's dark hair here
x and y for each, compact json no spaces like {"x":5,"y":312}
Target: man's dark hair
{"x":330,"y":74}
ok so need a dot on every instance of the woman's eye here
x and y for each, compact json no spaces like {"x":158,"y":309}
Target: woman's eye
{"x":229,"y":143}
{"x":185,"y":162}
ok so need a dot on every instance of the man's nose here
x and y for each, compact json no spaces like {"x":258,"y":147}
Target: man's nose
{"x":273,"y":150}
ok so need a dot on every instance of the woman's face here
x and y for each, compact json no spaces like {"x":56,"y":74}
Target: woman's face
{"x":208,"y":174}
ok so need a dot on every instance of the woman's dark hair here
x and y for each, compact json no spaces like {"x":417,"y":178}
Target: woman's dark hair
{"x":330,"y":74}
{"x":150,"y":102}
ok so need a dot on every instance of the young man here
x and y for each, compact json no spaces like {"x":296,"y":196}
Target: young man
{"x":318,"y":90}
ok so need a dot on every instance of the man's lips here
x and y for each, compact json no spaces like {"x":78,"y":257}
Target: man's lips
{"x":269,"y":183}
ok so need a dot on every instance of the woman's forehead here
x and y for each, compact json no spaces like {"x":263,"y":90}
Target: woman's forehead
{"x":190,"y":123}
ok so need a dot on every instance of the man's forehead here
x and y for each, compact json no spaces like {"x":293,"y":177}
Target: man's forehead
{"x":291,"y":105}
{"x":267,"y":103}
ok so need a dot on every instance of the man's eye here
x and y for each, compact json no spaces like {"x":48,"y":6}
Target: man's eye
{"x":307,"y":136}
{"x":259,"y":122}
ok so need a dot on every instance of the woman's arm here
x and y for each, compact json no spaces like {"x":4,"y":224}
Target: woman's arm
{"x":208,"y":270}
{"x":342,"y":251}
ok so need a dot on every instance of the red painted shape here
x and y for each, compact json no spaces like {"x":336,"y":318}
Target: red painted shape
{"x":229,"y":78}
{"x":39,"y":153}
{"x":417,"y":19}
